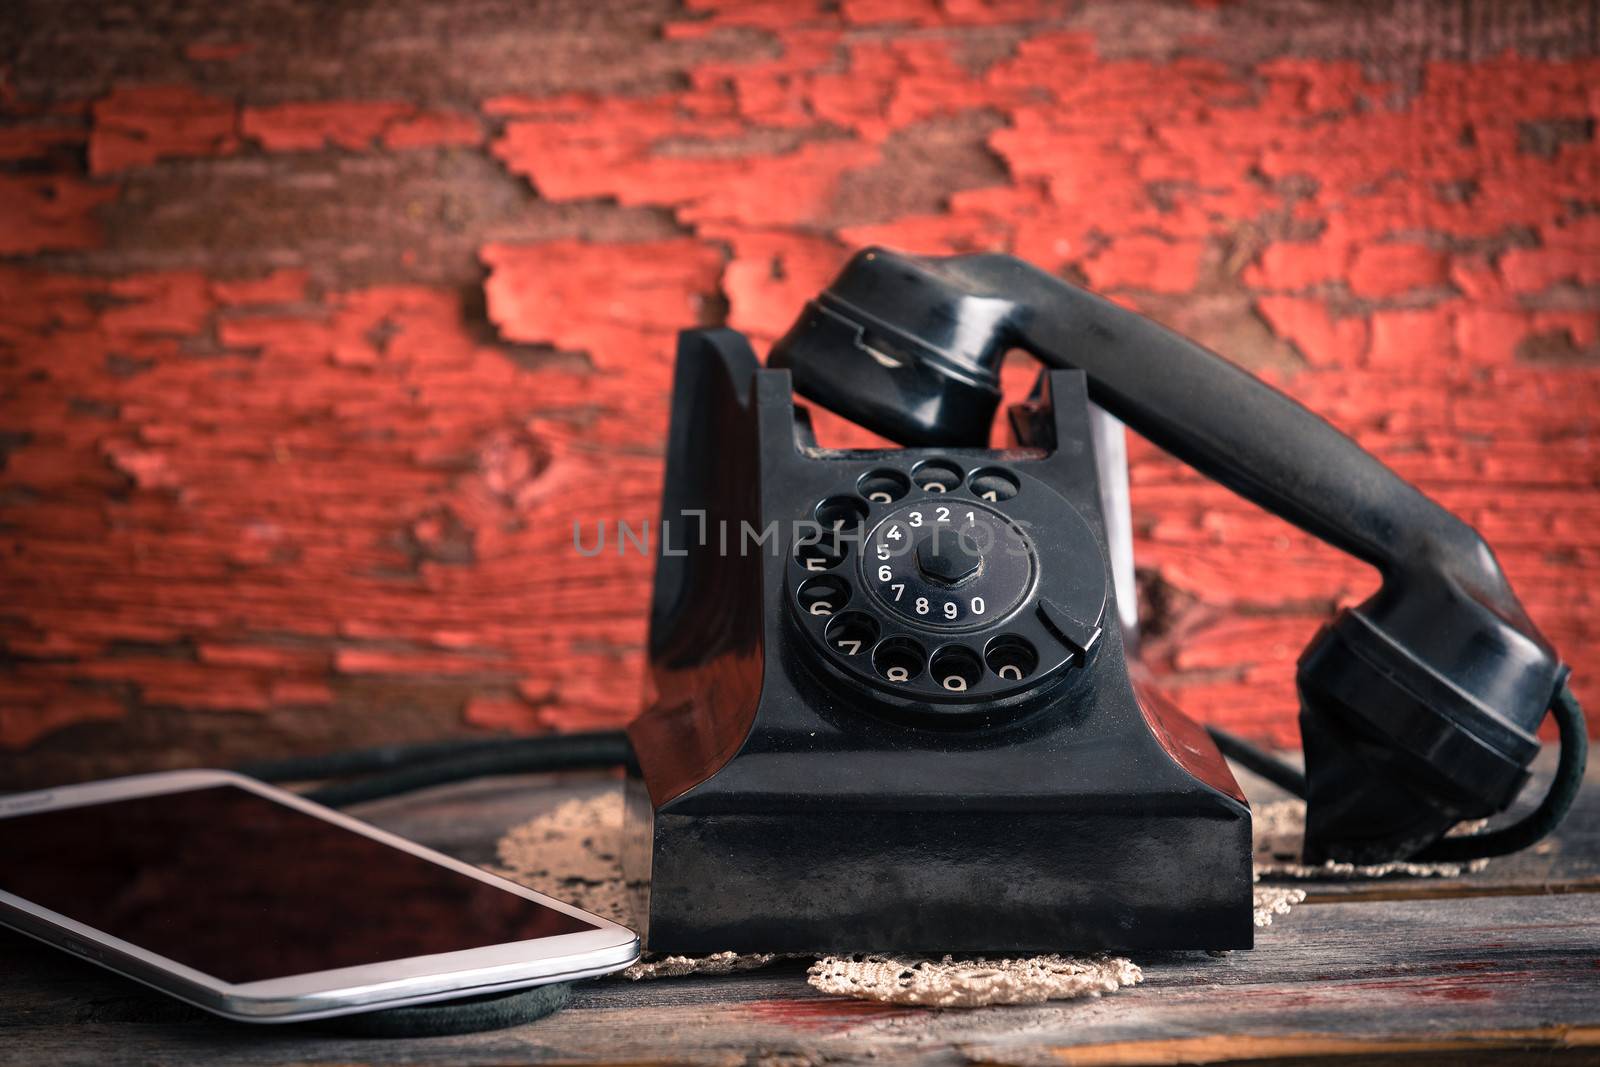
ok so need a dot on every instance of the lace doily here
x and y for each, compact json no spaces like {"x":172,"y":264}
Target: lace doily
{"x":1275,"y":900}
{"x":573,"y":852}
{"x":971,"y":983}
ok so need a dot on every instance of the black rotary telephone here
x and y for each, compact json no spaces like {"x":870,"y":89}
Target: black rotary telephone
{"x":894,"y":710}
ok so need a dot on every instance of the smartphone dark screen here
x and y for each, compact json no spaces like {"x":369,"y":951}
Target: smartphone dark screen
{"x":243,"y":888}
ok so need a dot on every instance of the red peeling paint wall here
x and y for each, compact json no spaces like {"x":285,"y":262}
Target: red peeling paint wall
{"x":321,"y":326}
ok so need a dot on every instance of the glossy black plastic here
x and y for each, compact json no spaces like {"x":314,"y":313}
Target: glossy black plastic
{"x":781,"y":803}
{"x":1418,"y":707}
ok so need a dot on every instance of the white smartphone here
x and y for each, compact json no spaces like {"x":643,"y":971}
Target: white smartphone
{"x":253,"y":903}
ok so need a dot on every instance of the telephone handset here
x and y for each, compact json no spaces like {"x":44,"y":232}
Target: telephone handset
{"x":893,"y":708}
{"x":1418,"y":707}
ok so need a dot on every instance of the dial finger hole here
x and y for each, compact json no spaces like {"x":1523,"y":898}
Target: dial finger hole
{"x":841,"y":516}
{"x":937,"y":476}
{"x":824,"y":595}
{"x":993,"y":484}
{"x":899,"y":660}
{"x":884,"y":486}
{"x":820,"y":555}
{"x":1011,"y":658}
{"x":852,"y":633}
{"x":820,"y":551}
{"x":956,"y":668}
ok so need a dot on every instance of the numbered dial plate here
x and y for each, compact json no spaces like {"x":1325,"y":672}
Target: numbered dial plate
{"x":948,"y":564}
{"x":947,"y":590}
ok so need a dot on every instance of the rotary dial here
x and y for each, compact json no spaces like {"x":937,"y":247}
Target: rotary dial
{"x":947,"y":591}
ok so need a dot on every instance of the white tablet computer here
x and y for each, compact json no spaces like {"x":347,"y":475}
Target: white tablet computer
{"x":253,"y":903}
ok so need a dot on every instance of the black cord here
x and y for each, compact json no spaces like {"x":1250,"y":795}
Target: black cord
{"x":422,"y":766}
{"x":1259,"y":761}
{"x":526,"y":755}
{"x":363,"y":760}
{"x":1574,"y":734}
{"x":522,"y":755}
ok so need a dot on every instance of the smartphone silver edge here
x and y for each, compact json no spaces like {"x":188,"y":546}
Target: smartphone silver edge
{"x":324,"y":994}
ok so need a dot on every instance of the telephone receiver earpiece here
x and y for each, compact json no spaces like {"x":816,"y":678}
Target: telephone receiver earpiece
{"x":1419,"y":707}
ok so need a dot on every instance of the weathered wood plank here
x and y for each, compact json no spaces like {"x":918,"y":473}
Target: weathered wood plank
{"x":1397,"y":977}
{"x":310,"y":501}
{"x":1402,"y":976}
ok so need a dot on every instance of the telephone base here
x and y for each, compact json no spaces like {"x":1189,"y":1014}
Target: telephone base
{"x":892,"y":878}
{"x":831,"y":763}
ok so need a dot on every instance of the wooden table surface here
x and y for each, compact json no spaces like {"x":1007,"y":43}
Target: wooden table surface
{"x":1502,"y":963}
